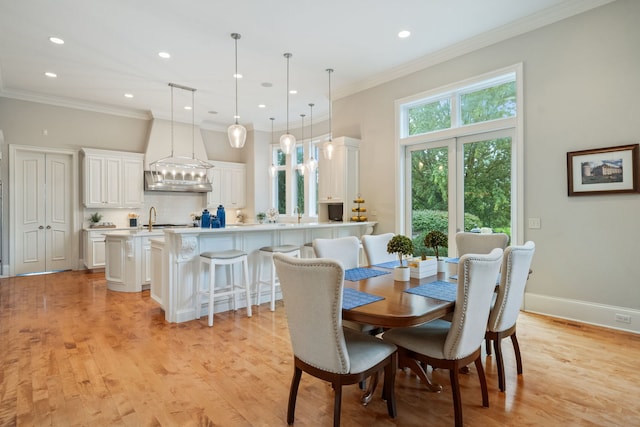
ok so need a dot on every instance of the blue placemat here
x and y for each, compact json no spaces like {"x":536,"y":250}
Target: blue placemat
{"x":352,"y":298}
{"x":389,"y":264}
{"x":355,"y":274}
{"x":453,"y":260}
{"x":444,"y":291}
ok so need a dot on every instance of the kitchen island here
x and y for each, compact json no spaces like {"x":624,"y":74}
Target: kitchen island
{"x":174,"y":263}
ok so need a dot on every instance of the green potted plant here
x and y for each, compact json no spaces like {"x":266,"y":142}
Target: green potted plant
{"x":95,"y":218}
{"x":437,"y":239}
{"x":403,"y":246}
{"x":261,"y":216}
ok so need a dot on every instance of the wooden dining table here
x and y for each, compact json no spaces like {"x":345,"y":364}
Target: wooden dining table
{"x":398,"y":309}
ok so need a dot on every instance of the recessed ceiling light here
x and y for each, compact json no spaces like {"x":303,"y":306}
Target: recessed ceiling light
{"x":212,"y":112}
{"x":266,"y":84}
{"x":293,"y":91}
{"x":56,"y":40}
{"x":164,"y":55}
{"x":404,"y":34}
{"x":237,"y":76}
{"x":187,"y":107}
{"x":128,"y":95}
{"x":52,"y":75}
{"x":262,"y":106}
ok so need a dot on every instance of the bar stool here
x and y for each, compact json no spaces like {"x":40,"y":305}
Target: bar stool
{"x":266,"y":254}
{"x":227,"y":258}
{"x":307,"y":250}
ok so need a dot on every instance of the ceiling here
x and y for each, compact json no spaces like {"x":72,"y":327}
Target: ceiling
{"x":111,"y":48}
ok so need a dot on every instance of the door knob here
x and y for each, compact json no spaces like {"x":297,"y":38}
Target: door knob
{"x":40,"y":228}
{"x":48,"y":227}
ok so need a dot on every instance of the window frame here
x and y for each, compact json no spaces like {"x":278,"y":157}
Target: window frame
{"x":403,"y":140}
{"x":291,"y":170}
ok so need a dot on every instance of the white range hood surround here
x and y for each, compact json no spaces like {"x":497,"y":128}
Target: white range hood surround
{"x":187,"y":142}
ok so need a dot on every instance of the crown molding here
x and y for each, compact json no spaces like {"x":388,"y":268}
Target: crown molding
{"x":75,"y":104}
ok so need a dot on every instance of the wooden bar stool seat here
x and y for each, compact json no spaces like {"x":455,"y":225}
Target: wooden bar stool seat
{"x":266,"y":255}
{"x":228,"y":258}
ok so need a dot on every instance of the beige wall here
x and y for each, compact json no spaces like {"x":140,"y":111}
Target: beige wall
{"x":581,"y":82}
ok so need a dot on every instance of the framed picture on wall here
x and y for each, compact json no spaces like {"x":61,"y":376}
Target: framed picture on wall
{"x":610,"y":170}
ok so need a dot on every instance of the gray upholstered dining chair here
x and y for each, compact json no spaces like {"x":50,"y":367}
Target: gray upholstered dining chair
{"x":516,"y":266}
{"x":345,"y":249}
{"x":375,"y":248}
{"x":312,"y":292}
{"x":454,"y":345}
{"x":477,"y":243}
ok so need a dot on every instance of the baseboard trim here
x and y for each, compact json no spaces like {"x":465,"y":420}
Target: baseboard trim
{"x":582,"y":311}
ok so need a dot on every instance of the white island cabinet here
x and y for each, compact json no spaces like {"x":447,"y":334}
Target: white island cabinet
{"x":128,"y":260}
{"x":179,"y":255}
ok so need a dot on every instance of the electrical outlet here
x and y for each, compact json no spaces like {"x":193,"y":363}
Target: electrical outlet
{"x":534,"y":222}
{"x":623,"y":318}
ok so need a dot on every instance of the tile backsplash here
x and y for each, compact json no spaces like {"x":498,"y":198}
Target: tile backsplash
{"x":171,"y":208}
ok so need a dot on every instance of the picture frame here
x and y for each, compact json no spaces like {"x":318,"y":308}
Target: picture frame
{"x":610,"y":170}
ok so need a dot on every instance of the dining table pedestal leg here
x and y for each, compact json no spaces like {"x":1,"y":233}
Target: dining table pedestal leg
{"x":407,"y":362}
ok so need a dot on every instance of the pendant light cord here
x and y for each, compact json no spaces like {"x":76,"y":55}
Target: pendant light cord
{"x":287,"y":55}
{"x":193,"y":125}
{"x":330,"y":70}
{"x":236,"y":36}
{"x":171,"y":119}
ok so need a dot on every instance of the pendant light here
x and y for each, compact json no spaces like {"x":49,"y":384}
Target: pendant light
{"x":272,"y":168}
{"x":312,"y":164}
{"x":287,"y":141}
{"x":181,"y":168}
{"x":301,"y":165}
{"x":328,"y":147}
{"x":236,"y":132}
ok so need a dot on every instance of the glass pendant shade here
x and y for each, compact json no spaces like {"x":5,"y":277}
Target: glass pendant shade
{"x":328,"y":150}
{"x":312,"y":164}
{"x":287,"y":141}
{"x":237,"y":135}
{"x":272,"y":170}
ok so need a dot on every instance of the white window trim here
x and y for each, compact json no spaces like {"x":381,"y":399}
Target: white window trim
{"x":402,"y":140}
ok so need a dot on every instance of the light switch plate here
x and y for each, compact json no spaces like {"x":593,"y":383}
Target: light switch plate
{"x":534,"y":222}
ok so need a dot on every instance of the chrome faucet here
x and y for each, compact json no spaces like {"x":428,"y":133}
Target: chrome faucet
{"x":296,"y":210}
{"x":152,"y":209}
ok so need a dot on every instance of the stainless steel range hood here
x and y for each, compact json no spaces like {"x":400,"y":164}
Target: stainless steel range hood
{"x":187,"y":149}
{"x":156,"y":181}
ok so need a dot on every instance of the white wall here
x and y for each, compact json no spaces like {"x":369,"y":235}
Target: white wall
{"x":581,"y":82}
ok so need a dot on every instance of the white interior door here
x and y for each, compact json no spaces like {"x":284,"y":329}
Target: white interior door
{"x":58,"y":212}
{"x":29,"y":207}
{"x":42,"y":204}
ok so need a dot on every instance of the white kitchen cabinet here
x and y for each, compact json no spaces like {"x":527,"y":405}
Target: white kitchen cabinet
{"x":228,"y":183}
{"x":338,"y":177}
{"x":128,"y":266}
{"x":94,"y":248}
{"x":158,"y":281}
{"x":145,"y":255}
{"x":112,"y":179}
{"x":133,"y":180}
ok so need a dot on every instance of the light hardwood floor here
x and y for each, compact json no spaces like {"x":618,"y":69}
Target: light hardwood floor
{"x":75,"y":354}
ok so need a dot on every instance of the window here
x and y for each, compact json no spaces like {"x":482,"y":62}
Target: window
{"x":462,"y":150}
{"x":294,"y":185}
{"x":491,"y":99}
